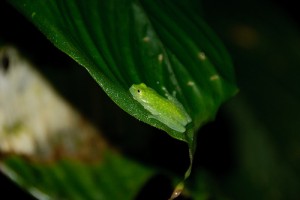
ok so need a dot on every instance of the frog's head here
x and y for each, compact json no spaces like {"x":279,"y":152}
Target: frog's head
{"x":138,"y":91}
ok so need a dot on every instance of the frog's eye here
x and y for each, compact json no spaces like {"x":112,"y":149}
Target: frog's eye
{"x":138,"y":91}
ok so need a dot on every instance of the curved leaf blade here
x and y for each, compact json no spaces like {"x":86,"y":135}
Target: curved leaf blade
{"x":127,"y":42}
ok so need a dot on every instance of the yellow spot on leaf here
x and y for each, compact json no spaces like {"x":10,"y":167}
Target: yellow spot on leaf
{"x":160,"y":57}
{"x":201,"y":56}
{"x":214,"y":77}
{"x":190,"y":83}
{"x":146,"y":39}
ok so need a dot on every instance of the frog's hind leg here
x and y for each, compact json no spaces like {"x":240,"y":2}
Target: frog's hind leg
{"x":170,"y":122}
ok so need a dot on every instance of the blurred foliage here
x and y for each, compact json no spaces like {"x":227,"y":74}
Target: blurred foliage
{"x":74,"y":179}
{"x":264,"y":44}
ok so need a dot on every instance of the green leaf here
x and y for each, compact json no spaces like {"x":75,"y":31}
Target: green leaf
{"x":164,"y":44}
{"x":114,"y":177}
